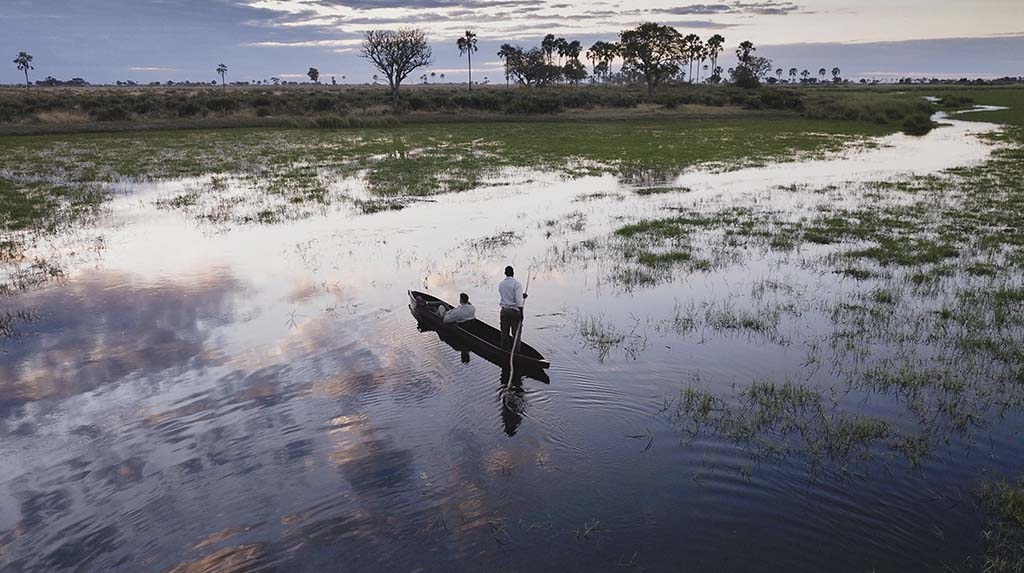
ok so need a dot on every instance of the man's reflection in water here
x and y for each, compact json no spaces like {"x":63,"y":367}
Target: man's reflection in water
{"x":510,"y":392}
{"x":513,"y":401}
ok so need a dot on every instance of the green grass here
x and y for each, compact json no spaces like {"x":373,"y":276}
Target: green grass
{"x":283,"y":165}
{"x":667,"y":259}
{"x":1003,"y":536}
{"x":778,"y":421}
{"x":1011,"y":97}
{"x":283,"y":168}
{"x":427,"y":149}
{"x":40,"y":205}
{"x":603,"y":337}
{"x":661,"y":190}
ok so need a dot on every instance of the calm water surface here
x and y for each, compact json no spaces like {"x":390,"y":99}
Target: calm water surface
{"x":202,"y":397}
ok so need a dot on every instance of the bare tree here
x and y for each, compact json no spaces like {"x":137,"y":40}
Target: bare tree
{"x":396,"y":53}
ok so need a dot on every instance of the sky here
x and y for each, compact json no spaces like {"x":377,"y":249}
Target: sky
{"x":104,"y":41}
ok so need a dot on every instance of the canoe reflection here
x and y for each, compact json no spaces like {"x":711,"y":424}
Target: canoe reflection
{"x":510,"y":383}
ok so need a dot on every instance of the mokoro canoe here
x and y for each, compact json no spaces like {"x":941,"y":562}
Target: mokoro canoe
{"x":478,"y":336}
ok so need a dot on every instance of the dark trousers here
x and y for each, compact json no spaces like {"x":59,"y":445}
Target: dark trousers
{"x":511,"y":320}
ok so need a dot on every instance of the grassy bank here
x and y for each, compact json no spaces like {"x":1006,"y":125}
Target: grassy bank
{"x":54,"y":110}
{"x":285,"y":166}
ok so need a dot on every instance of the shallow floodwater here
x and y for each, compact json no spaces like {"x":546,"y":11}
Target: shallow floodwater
{"x":194,"y":396}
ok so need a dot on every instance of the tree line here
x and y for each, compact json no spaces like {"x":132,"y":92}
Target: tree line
{"x":651,"y":54}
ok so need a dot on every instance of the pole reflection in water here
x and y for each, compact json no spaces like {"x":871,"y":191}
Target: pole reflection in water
{"x":513,"y":401}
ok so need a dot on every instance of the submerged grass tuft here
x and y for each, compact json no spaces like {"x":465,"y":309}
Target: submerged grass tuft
{"x":1003,"y":535}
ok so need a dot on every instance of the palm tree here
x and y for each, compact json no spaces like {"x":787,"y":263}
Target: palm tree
{"x":442,"y":78}
{"x":743,"y":52}
{"x":314,"y":75}
{"x":698,"y":54}
{"x":375,"y":78}
{"x":561,"y":48}
{"x":805,"y":74}
{"x":24,"y":61}
{"x":778,"y":73}
{"x":792,"y":74}
{"x":467,"y":45}
{"x":822,"y":72}
{"x":222,"y":70}
{"x":601,"y":55}
{"x":835,"y":74}
{"x":690,"y":47}
{"x":433,"y":77}
{"x":505,"y":53}
{"x":548,"y":45}
{"x":715,"y":44}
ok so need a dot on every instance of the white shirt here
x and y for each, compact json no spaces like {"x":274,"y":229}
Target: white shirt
{"x":511,"y":293}
{"x":461,"y":313}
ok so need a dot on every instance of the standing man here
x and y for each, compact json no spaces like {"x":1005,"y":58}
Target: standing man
{"x":512,"y":301}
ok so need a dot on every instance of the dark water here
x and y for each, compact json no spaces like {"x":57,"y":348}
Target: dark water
{"x":192,"y":397}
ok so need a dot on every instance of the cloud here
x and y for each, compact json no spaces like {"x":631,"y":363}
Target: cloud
{"x":103,"y":328}
{"x":708,"y":24}
{"x":335,"y":43}
{"x":152,"y":69}
{"x":766,"y":8}
{"x":420,"y":4}
{"x":697,"y":9}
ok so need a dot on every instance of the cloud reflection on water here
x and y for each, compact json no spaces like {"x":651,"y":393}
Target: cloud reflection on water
{"x":102,"y":328}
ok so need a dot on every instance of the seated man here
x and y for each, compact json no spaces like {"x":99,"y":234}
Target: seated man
{"x":462,"y":313}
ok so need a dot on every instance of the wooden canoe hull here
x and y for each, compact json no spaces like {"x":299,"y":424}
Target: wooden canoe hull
{"x":480,"y":337}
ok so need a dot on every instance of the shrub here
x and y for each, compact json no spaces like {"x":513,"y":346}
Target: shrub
{"x":10,"y":112}
{"x":188,"y":109}
{"x":781,"y":99}
{"x":221,"y":104}
{"x":144,"y":106}
{"x":116,"y":112}
{"x":322,"y":104}
{"x":331,"y":122}
{"x":956,"y":101}
{"x":918,"y":124}
{"x":534,"y":103}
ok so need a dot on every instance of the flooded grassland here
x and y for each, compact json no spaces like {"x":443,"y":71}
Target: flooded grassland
{"x":774,"y":342}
